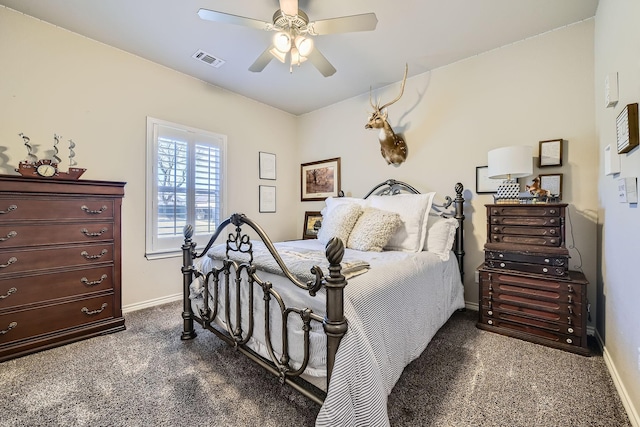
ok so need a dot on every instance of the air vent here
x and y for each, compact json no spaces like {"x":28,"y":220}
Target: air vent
{"x":203,"y":56}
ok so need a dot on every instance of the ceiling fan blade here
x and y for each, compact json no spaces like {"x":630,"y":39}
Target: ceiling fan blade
{"x":321,"y":63}
{"x":289,"y":7}
{"x":212,"y":15}
{"x":262,"y":61}
{"x":346,"y":24}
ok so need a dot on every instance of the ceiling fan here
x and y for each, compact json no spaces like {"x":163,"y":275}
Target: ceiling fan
{"x":293,"y":39}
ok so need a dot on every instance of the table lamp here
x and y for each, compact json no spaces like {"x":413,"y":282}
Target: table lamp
{"x":510,"y":163}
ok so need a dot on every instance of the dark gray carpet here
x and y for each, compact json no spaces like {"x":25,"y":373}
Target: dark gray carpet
{"x":146,"y":376}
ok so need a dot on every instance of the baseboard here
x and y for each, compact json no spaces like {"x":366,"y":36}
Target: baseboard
{"x":151,"y":303}
{"x":473,"y":306}
{"x":632,"y":412}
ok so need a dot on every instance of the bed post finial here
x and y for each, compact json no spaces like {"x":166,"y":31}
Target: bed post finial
{"x":335,"y":324}
{"x":187,"y":276}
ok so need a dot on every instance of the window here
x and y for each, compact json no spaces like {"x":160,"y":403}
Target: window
{"x":185,"y":185}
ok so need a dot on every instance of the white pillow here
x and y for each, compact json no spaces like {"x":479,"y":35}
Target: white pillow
{"x":413,"y":210}
{"x":373,"y":230}
{"x":441,"y":235}
{"x":332,"y":202}
{"x":338,"y":222}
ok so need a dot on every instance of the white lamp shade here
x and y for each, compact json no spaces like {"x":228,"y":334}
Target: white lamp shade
{"x":510,"y":162}
{"x":304,"y":45}
{"x":282,"y":42}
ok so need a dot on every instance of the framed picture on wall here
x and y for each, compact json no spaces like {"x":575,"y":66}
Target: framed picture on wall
{"x":267,"y":165}
{"x":550,"y":153}
{"x":320,"y":179}
{"x":267,"y":198}
{"x":484,"y":184}
{"x":552,"y":183}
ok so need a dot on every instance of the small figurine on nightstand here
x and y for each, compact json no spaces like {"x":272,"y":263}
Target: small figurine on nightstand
{"x":538,"y":192}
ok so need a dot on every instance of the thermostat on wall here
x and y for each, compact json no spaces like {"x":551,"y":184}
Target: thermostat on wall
{"x":628,"y":190}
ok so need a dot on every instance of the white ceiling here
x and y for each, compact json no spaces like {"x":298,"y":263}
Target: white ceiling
{"x":426,"y":34}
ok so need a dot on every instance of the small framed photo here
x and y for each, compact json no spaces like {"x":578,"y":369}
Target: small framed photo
{"x":312,"y":223}
{"x":550,"y":153}
{"x":484,"y":184}
{"x":552,"y":183}
{"x":267,"y":165}
{"x":267,"y":199}
{"x":320,"y":179}
{"x":627,"y":129}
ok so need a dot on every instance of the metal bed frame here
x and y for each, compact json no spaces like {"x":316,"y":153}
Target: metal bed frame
{"x":237,"y":274}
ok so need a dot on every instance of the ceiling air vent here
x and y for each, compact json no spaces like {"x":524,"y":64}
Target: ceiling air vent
{"x":203,"y":56}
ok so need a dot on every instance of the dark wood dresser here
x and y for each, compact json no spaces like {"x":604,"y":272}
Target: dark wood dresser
{"x":60,"y":262}
{"x":525,"y":286}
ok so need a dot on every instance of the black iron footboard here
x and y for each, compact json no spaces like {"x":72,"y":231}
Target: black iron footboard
{"x":238,"y":274}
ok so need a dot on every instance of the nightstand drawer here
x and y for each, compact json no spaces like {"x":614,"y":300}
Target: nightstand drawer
{"x":526,"y":221}
{"x":554,"y":261}
{"x":526,"y":210}
{"x":523,"y":319}
{"x":525,"y":240}
{"x":548,"y":337}
{"x":546,"y":270}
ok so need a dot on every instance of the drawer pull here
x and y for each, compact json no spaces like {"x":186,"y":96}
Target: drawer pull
{"x":570,"y":299}
{"x":490,"y":312}
{"x":569,"y":341}
{"x":546,"y":260}
{"x":552,"y":221}
{"x":95,"y":282}
{"x":570,"y":330}
{"x":552,"y":231}
{"x":569,"y":321}
{"x":9,"y":236}
{"x":100,"y":255}
{"x":490,"y":322}
{"x":95,"y":234}
{"x":96,"y":212}
{"x":9,"y":209}
{"x":9,"y":292}
{"x":553,"y":241}
{"x":570,"y":289}
{"x":552,"y":211}
{"x":86,"y":311}
{"x":11,"y":326}
{"x":545,"y":270}
{"x":11,"y":260}
{"x":570,"y":309}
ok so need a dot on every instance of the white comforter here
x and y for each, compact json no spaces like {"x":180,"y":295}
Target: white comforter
{"x":393,"y":311}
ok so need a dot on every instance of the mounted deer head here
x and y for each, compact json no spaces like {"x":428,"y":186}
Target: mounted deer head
{"x":392,"y":146}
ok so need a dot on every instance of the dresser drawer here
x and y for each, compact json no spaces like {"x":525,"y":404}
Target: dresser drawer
{"x":48,"y":208}
{"x":54,"y":234}
{"x":522,"y":327}
{"x":527,"y":221}
{"x":548,"y":260}
{"x":526,"y":210}
{"x":525,"y":240}
{"x":36,"y":288}
{"x":560,"y":290}
{"x":561,"y":327}
{"x":20,"y":260}
{"x":545,"y":270}
{"x":526,"y":231}
{"x":551,"y":311}
{"x":34,"y":322}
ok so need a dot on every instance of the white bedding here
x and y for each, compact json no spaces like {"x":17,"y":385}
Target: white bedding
{"x":393,"y":311}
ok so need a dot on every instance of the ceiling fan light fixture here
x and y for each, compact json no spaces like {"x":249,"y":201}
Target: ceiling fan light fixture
{"x":282,"y":42}
{"x":304,"y":45}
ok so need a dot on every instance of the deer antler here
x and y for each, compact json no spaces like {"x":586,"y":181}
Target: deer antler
{"x":404,"y":80}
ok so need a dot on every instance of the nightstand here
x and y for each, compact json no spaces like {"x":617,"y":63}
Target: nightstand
{"x":526,"y":289}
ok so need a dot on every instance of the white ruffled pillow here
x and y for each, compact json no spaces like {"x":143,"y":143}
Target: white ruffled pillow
{"x":332,"y":202}
{"x":413,"y":210}
{"x":373,"y":230}
{"x":440,"y":236}
{"x":338,"y":222}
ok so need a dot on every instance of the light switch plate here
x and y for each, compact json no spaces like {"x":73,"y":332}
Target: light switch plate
{"x":611,"y":90}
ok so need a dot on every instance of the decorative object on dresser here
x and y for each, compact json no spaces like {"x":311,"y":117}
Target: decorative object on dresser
{"x":48,"y":168}
{"x":509,"y":163}
{"x":525,"y":286}
{"x":60,"y":262}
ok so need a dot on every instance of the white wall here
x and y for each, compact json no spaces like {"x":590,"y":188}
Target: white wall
{"x":55,"y":81}
{"x":617,"y":49}
{"x":533,"y":90}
